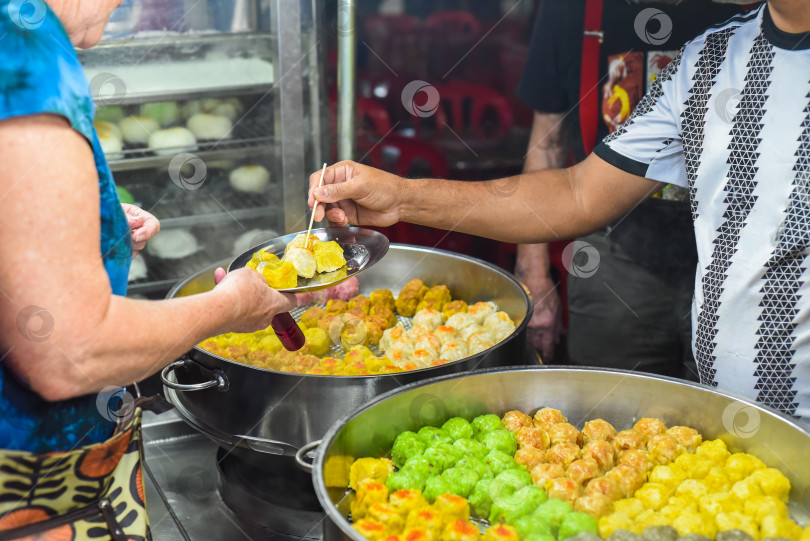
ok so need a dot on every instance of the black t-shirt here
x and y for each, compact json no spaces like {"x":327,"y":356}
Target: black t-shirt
{"x":639,"y":41}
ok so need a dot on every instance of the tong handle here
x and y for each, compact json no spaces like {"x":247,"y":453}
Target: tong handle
{"x":288,"y":331}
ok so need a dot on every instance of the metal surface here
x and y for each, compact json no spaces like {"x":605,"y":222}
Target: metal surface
{"x":362,"y":248}
{"x":619,"y":397}
{"x":187,"y":499}
{"x":305,"y":452}
{"x":290,"y":118}
{"x":286,"y":410}
{"x":347,"y":68}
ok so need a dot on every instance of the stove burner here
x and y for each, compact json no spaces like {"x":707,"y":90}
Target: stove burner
{"x":269,"y":492}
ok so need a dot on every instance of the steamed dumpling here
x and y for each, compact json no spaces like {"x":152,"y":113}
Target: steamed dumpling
{"x":137,"y":129}
{"x":499,"y":325}
{"x":210,"y":127}
{"x":453,"y":351}
{"x":480,"y":310}
{"x":249,"y":178}
{"x":302,"y":260}
{"x":429,"y":318}
{"x":170,"y":141}
{"x":459,"y":321}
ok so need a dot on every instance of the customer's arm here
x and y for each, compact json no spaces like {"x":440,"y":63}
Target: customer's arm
{"x":548,"y":149}
{"x":50,"y":258}
{"x":547,"y":205}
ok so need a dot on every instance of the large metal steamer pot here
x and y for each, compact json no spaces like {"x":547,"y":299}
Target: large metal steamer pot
{"x":617,"y":396}
{"x":284,"y":413}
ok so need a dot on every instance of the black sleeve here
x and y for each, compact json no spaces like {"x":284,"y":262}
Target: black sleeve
{"x":554,"y":52}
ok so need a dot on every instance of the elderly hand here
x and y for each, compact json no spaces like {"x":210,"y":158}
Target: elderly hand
{"x":253,"y":301}
{"x":142,"y":224}
{"x":356,"y":194}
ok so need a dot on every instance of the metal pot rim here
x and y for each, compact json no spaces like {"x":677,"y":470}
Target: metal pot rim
{"x":328,"y":438}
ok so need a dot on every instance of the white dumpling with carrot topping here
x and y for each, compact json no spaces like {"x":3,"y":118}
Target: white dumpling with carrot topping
{"x":499,"y":325}
{"x":429,"y":318}
{"x":453,"y":351}
{"x":480,"y":310}
{"x":459,"y":321}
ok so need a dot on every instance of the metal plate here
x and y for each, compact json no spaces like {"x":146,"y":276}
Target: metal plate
{"x":361,"y":248}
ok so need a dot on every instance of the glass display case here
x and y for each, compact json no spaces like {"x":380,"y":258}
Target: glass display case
{"x":210,"y":115}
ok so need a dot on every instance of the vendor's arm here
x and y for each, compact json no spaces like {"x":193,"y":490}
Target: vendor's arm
{"x":547,"y":205}
{"x":49,"y":257}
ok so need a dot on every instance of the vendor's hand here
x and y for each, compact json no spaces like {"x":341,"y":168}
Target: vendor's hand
{"x":545,"y":326}
{"x":142,"y":224}
{"x":253,"y":302}
{"x":356,"y":194}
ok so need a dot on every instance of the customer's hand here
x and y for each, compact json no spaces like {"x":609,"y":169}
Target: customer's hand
{"x":142,"y":224}
{"x":253,"y":302}
{"x":356,"y":194}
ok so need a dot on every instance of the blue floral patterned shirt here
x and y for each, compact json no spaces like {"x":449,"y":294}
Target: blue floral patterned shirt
{"x":40,"y":73}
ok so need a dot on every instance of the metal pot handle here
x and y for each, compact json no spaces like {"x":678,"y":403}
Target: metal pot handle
{"x":219,"y":381}
{"x":301,"y":454}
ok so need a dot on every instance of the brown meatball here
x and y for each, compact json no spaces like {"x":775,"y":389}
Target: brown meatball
{"x":546,"y":417}
{"x":629,"y":439}
{"x":374,"y":329}
{"x":564,"y":433}
{"x":564,"y":489}
{"x":326,"y":321}
{"x":515,"y":420}
{"x":238,"y":353}
{"x":604,"y":485}
{"x":542,"y":473}
{"x":602,"y":452}
{"x":531,"y":436}
{"x":638,"y":458}
{"x":360,"y":302}
{"x":312,"y":315}
{"x":336,"y":306}
{"x":688,"y":437}
{"x":530,"y":457}
{"x":664,"y":448}
{"x":596,"y":505}
{"x":650,"y":427}
{"x":563,"y":453}
{"x":583,"y":470}
{"x":382,"y":297}
{"x":628,"y":478}
{"x":383,"y":312}
{"x":598,"y":430}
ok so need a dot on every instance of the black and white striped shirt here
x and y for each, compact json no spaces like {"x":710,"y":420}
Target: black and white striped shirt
{"x":729,"y":119}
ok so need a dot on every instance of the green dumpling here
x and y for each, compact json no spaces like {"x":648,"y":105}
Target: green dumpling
{"x":441,"y":456}
{"x":479,"y":499}
{"x":403,"y":480}
{"x":553,"y":511}
{"x":458,"y":428}
{"x":470,"y":447}
{"x":507,"y":483}
{"x":461,"y":481}
{"x":499,"y":462}
{"x":432,"y":435}
{"x":421,"y":466}
{"x":539,"y":537}
{"x":485,"y":423}
{"x":575,"y":523}
{"x":435,"y":487}
{"x":407,"y":445}
{"x":522,"y":502}
{"x":529,"y":525}
{"x":500,"y":440}
{"x":477,"y":465}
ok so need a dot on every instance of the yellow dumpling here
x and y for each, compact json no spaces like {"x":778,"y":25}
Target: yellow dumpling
{"x":741,"y":465}
{"x":719,"y":502}
{"x":715,"y":450}
{"x":772,"y":482}
{"x":695,"y":523}
{"x":760,"y":507}
{"x":653,"y":495}
{"x":367,"y":493}
{"x":328,"y":256}
{"x":737,"y":521}
{"x":262,"y":257}
{"x":612,"y":522}
{"x":631,"y":507}
{"x":370,"y":529}
{"x":772,"y":526}
{"x":369,"y":469}
{"x":317,"y":340}
{"x":281,"y":276}
{"x":270,"y":343}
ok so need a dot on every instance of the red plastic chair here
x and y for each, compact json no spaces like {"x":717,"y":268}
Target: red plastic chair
{"x":469,"y":120}
{"x":404,"y":156}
